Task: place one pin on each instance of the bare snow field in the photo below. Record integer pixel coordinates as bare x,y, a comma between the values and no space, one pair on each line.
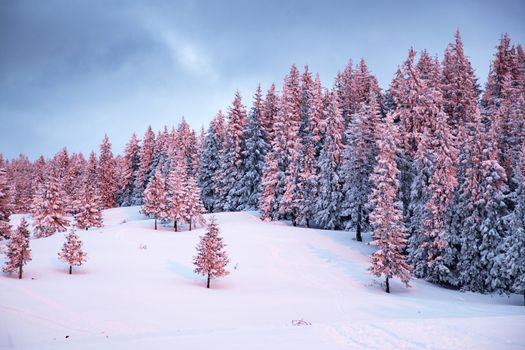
138,291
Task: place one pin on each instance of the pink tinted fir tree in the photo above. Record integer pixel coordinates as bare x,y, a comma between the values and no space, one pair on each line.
88,206
18,252
5,204
211,259
145,160
49,208
72,252
269,181
20,173
269,112
174,188
106,175
129,168
386,217
155,197
193,207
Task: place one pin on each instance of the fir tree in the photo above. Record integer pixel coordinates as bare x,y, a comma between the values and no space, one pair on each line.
145,161
248,187
358,163
72,252
175,196
269,112
155,198
49,208
231,161
458,85
211,259
310,134
130,166
484,228
192,206
514,245
5,205
386,215
330,193
272,175
210,161
18,252
106,175
87,207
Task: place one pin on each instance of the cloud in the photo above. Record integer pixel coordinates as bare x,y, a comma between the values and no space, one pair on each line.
184,53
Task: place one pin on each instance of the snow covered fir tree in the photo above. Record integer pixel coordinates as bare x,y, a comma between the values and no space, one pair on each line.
211,259
18,251
72,252
430,169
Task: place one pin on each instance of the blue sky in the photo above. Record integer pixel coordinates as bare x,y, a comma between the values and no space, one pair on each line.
73,70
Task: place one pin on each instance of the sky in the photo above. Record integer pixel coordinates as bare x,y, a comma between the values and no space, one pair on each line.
72,70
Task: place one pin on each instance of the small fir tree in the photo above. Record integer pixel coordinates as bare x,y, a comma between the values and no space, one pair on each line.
72,252
211,259
18,252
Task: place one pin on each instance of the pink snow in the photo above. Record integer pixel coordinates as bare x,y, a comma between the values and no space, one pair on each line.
138,291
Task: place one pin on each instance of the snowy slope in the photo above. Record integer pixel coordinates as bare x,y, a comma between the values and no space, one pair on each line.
126,297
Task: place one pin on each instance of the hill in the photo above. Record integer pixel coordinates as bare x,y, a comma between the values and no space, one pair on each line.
138,290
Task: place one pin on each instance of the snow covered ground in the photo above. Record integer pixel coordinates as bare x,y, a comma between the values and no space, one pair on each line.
128,297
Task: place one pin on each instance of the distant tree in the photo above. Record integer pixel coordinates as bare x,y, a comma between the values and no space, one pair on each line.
18,252
386,217
87,207
269,112
129,166
106,175
49,208
21,174
145,161
193,207
268,198
5,205
211,259
174,188
72,252
155,198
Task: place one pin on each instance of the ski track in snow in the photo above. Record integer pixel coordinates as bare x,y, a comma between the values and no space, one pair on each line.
128,297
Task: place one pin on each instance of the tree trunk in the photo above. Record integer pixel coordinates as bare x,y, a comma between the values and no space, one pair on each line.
20,271
358,236
208,282
155,222
191,219
86,228
70,269
308,223
387,285
175,225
